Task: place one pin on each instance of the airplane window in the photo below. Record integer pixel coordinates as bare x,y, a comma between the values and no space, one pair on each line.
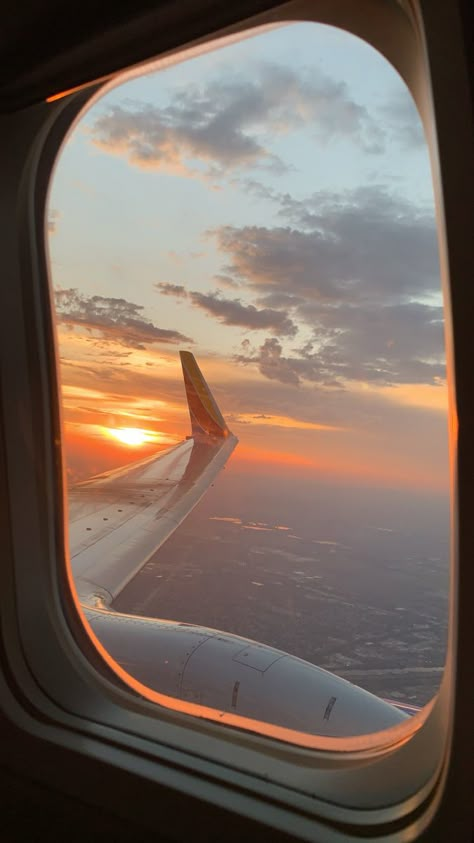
250,327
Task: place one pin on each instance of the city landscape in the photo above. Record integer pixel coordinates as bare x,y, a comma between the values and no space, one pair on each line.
353,580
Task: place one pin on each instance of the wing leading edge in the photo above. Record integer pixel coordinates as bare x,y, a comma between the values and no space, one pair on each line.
119,519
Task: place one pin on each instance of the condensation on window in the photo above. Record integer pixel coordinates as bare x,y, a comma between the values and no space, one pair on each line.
250,327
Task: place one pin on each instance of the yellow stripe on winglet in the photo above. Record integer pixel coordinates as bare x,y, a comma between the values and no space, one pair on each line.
206,418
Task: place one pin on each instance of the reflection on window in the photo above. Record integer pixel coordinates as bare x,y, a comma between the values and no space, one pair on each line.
266,209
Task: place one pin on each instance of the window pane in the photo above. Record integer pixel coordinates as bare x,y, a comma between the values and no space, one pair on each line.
268,207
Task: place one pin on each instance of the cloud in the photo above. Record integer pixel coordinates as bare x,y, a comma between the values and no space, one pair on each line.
271,362
359,271
226,281
176,290
363,244
398,344
287,422
233,312
395,343
403,122
355,273
230,122
379,440
112,319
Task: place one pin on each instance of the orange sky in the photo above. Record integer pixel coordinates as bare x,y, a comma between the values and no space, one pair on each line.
100,399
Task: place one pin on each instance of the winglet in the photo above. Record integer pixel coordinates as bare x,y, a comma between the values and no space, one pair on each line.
206,418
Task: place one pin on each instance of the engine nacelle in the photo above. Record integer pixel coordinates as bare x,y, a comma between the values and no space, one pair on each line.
233,674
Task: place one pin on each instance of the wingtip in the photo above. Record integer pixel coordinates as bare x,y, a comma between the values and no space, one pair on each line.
206,417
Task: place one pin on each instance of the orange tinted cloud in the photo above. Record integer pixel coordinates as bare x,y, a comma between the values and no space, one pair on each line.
106,389
429,396
266,420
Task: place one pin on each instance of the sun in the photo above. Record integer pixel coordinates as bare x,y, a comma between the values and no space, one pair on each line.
133,436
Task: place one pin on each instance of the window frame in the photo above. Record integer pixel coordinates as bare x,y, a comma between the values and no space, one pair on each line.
55,687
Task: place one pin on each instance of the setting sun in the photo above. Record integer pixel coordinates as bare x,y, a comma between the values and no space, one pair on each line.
133,436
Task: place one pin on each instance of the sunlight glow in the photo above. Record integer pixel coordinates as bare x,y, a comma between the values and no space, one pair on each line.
133,436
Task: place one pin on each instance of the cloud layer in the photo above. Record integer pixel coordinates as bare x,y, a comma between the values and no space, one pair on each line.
230,122
360,270
112,319
232,311
365,244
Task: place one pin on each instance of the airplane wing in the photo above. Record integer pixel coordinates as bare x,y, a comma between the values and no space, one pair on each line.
119,519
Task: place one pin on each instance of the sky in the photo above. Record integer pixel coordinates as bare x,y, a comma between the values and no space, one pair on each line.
268,206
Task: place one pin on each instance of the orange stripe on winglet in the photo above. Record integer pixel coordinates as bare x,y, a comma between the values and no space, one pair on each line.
206,418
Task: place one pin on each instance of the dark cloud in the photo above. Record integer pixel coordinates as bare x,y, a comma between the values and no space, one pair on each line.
364,244
272,363
396,343
174,290
233,312
357,270
283,300
385,346
112,319
230,122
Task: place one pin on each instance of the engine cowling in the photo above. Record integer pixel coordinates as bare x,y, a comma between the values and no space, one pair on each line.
233,674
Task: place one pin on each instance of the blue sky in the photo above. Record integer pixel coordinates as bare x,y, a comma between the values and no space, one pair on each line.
101,195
